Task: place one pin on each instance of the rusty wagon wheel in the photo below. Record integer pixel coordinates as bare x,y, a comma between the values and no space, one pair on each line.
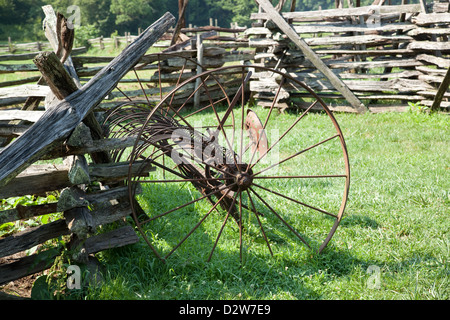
281,181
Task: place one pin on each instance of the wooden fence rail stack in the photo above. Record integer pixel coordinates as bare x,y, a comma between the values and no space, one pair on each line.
390,53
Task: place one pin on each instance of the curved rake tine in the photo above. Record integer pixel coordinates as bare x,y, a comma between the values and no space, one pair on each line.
279,217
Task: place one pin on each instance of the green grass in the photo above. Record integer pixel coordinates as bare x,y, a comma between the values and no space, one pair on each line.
396,219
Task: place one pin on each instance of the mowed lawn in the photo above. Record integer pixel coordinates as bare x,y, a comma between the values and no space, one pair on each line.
393,242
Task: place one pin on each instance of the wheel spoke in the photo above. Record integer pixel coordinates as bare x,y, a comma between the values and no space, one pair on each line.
198,224
302,177
235,100
142,88
266,121
123,93
223,225
181,180
240,228
242,116
294,200
204,108
220,123
296,154
178,82
279,217
259,222
189,98
285,133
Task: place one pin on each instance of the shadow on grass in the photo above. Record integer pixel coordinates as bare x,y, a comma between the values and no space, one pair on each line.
294,272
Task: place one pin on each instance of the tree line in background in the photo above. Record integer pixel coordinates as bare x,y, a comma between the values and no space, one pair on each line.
22,19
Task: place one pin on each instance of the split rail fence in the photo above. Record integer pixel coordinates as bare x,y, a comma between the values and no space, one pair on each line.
391,54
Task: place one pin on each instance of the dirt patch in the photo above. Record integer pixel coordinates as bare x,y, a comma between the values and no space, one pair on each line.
20,288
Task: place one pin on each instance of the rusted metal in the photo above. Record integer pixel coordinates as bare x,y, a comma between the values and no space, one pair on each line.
210,159
256,133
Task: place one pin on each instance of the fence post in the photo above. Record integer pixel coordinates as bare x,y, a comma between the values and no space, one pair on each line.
441,91
199,69
10,45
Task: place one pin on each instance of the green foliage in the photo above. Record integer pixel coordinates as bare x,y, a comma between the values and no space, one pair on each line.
17,226
417,107
84,33
22,19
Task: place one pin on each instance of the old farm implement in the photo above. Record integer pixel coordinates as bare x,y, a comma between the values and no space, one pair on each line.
197,158
235,160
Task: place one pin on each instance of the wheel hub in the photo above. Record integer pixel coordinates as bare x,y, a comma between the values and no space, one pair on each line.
244,180
241,178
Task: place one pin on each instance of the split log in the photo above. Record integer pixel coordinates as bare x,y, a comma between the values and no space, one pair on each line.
443,87
27,265
19,82
344,28
62,85
429,46
31,116
440,62
11,130
79,221
31,237
424,19
341,12
12,68
112,239
78,170
311,55
357,40
97,146
57,123
25,212
73,197
24,91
